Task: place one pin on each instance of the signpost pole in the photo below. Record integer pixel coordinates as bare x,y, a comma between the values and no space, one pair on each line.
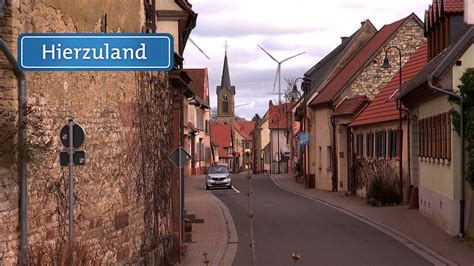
71,181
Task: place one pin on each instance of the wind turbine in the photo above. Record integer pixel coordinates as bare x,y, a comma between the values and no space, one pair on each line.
278,76
278,72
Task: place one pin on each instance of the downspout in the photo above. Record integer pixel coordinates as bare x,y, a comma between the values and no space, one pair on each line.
400,109
334,153
350,164
461,100
22,138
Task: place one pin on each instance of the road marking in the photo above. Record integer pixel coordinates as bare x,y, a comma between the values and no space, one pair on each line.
236,190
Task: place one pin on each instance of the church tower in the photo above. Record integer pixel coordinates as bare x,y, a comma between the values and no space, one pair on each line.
225,96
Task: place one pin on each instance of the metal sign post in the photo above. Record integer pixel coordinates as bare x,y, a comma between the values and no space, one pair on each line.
180,158
72,137
71,180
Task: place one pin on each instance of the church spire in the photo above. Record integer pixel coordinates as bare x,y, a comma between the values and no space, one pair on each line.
225,79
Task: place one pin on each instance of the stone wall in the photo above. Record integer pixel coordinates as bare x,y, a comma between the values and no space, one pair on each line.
373,77
119,212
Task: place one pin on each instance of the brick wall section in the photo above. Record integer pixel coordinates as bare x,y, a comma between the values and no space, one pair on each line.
109,212
373,77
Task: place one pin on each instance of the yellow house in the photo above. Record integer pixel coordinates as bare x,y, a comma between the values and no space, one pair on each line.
444,196
262,138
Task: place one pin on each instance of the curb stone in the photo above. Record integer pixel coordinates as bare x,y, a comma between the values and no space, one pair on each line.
232,238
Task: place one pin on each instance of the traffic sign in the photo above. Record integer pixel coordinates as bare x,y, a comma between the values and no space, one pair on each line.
78,136
304,138
79,158
178,154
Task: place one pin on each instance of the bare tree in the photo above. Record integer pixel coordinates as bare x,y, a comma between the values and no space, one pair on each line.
290,96
214,114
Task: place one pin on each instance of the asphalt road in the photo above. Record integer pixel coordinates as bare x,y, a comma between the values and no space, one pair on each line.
285,223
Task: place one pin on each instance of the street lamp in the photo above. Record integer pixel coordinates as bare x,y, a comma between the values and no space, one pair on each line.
386,65
301,110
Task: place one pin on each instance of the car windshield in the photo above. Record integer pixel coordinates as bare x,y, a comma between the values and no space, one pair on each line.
218,170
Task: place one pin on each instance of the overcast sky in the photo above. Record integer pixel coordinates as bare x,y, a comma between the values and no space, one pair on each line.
283,28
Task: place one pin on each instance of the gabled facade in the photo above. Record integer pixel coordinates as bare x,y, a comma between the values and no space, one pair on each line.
361,75
444,196
261,140
198,130
243,143
279,125
221,141
321,74
376,130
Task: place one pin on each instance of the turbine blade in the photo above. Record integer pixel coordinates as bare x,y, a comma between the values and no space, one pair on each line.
292,57
267,53
192,41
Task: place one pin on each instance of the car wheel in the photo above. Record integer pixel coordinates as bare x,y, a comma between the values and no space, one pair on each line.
229,186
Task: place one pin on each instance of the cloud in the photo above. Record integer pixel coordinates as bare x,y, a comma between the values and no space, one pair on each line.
283,28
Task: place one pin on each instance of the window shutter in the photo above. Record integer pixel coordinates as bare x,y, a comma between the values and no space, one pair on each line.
448,144
430,138
435,136
425,137
384,143
422,138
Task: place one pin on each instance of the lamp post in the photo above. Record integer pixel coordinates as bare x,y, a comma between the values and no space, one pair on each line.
386,65
305,87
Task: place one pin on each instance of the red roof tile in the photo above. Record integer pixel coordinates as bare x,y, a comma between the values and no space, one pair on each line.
200,83
379,110
350,106
278,115
245,128
453,6
357,62
221,137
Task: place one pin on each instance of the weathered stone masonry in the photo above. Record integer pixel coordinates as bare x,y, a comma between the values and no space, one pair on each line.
122,199
372,78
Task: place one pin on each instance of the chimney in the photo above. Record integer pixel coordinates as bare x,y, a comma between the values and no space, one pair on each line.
344,38
270,102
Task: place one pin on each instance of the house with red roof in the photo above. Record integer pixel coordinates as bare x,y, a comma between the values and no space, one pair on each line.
441,192
279,127
221,141
197,130
361,75
243,143
376,131
320,74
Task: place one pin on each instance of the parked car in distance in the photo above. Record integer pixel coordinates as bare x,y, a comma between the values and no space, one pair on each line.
218,176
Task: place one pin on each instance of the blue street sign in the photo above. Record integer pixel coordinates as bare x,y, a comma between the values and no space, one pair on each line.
95,52
304,138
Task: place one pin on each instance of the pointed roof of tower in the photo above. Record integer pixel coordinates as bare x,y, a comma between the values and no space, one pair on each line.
225,80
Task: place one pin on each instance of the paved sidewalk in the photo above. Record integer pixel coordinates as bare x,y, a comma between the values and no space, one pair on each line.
407,226
217,235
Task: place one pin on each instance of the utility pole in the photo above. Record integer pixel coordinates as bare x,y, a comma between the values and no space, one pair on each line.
249,194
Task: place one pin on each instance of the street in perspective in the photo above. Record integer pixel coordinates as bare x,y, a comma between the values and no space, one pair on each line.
219,132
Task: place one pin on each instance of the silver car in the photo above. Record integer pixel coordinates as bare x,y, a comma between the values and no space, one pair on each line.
218,176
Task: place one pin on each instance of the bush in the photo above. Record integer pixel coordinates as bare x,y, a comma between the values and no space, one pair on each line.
382,191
